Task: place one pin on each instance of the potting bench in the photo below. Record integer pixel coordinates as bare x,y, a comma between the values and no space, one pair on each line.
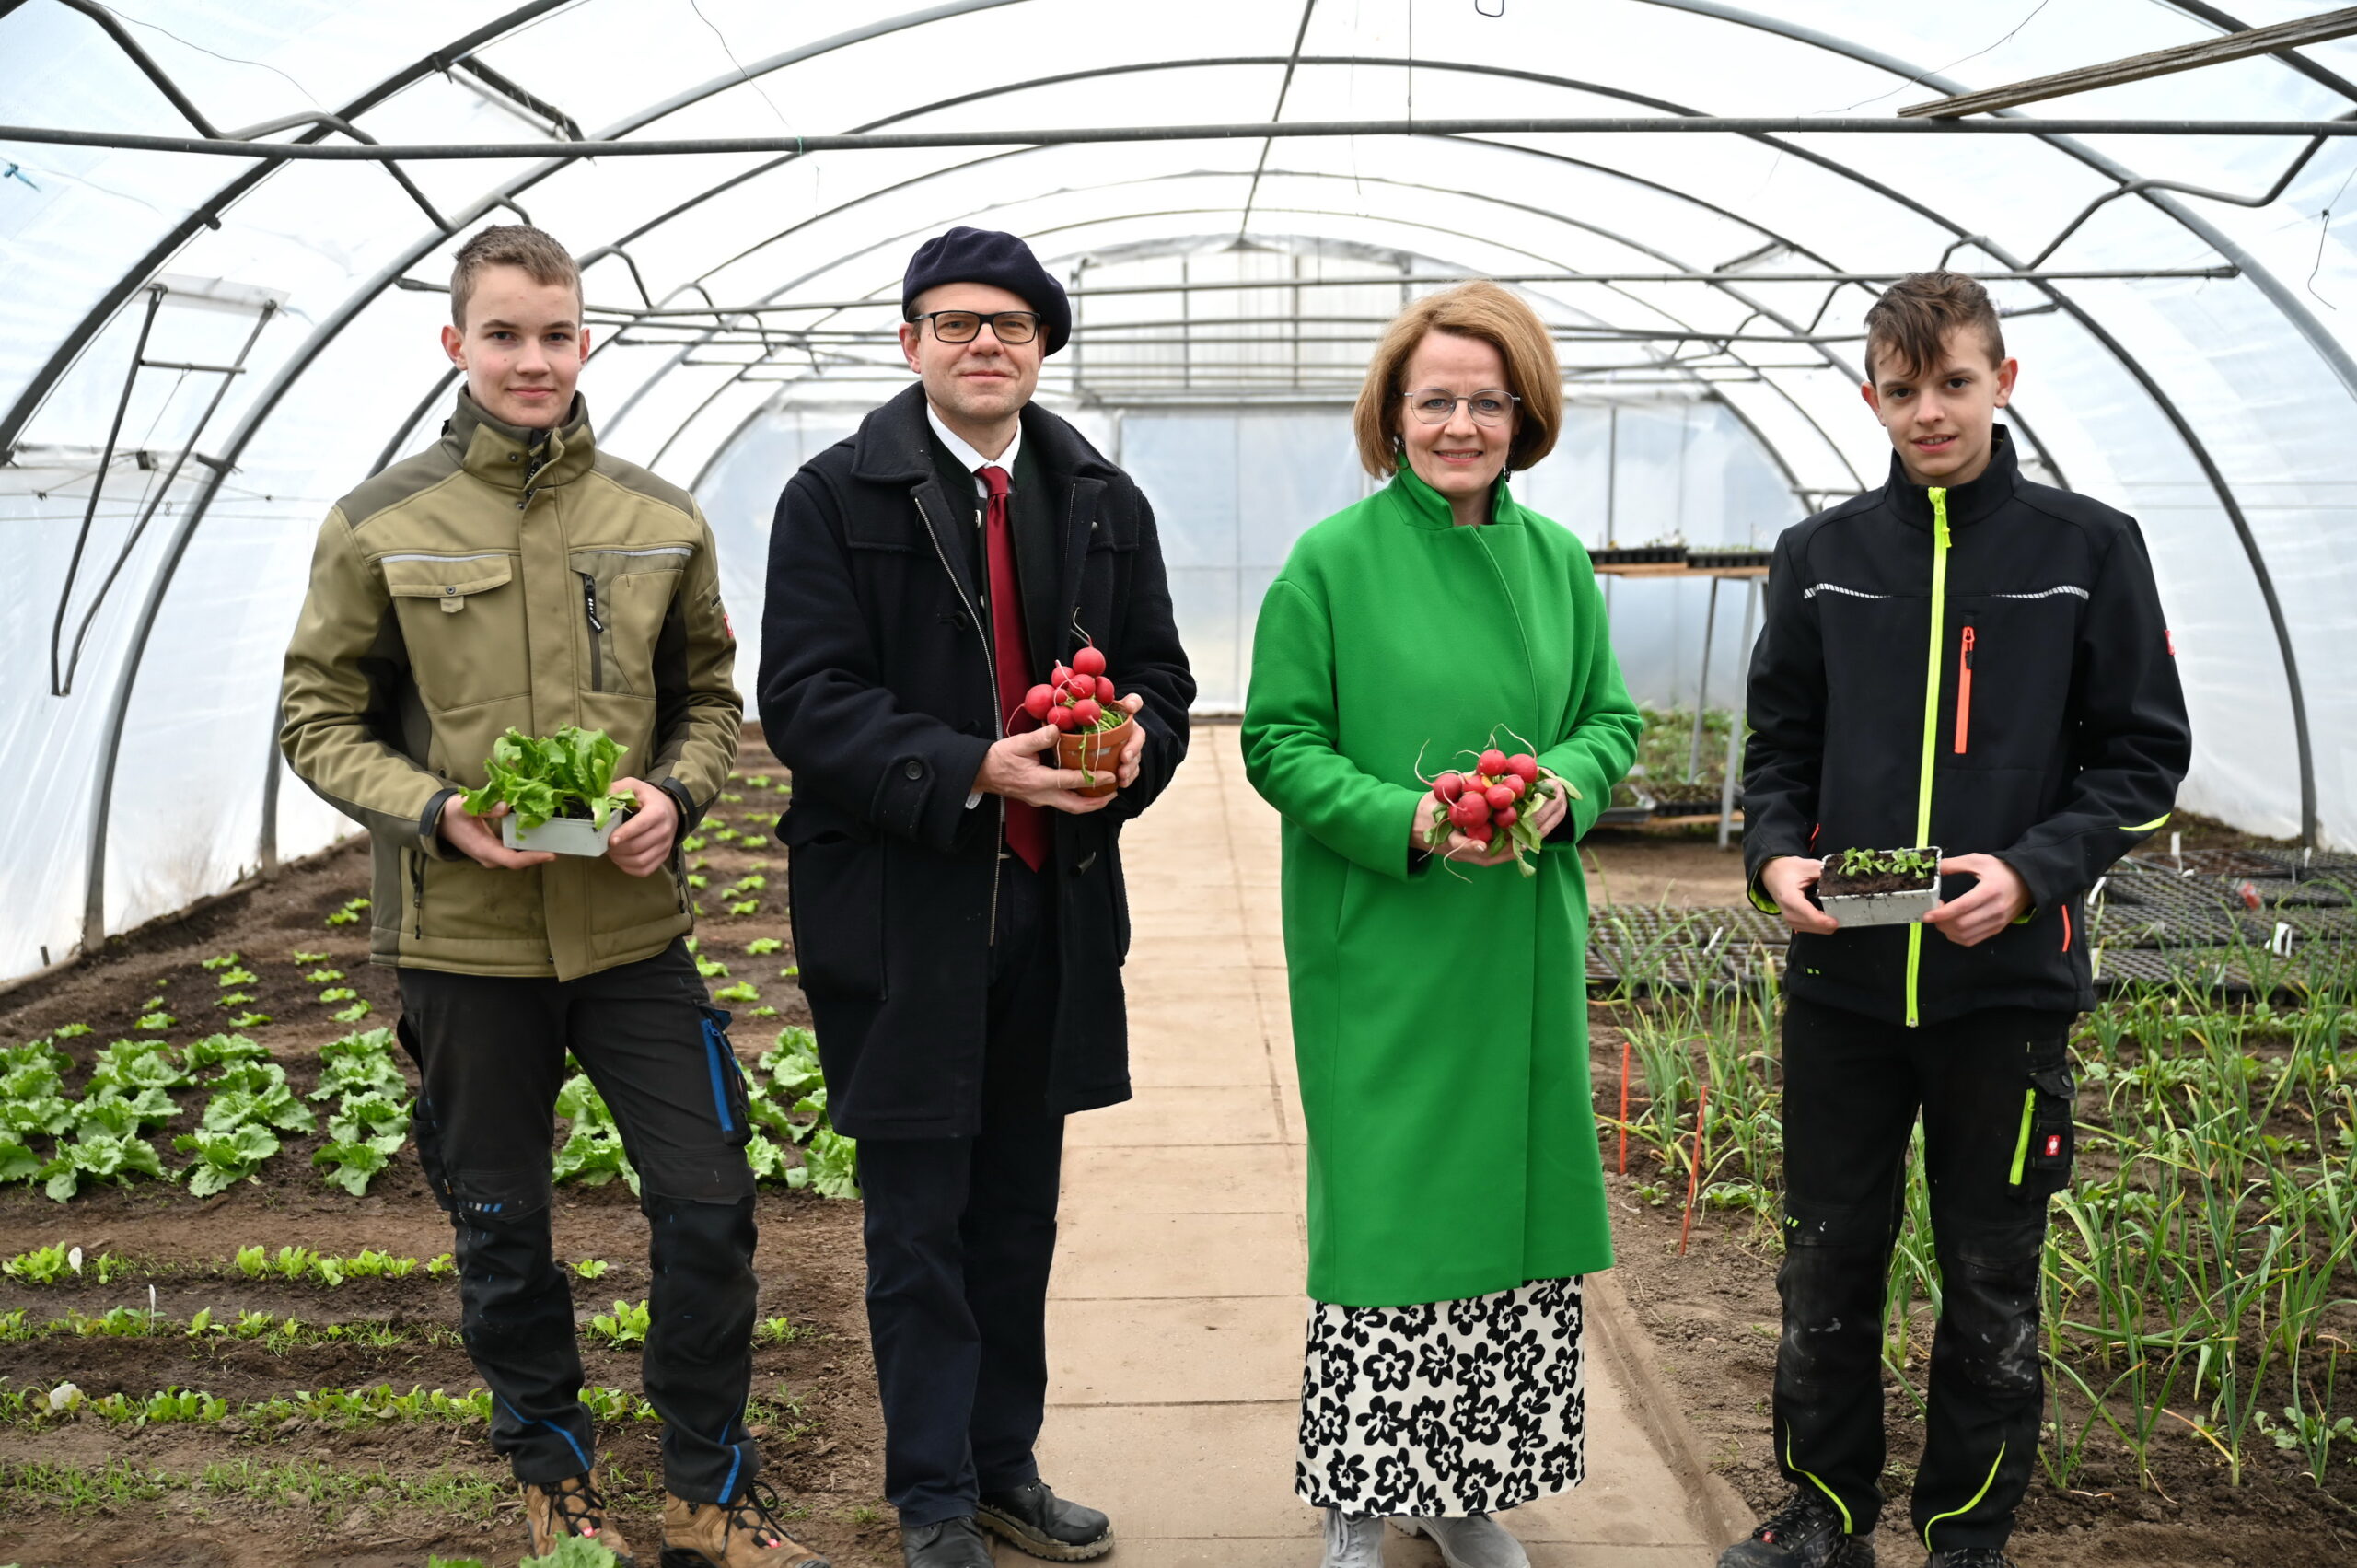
1752,578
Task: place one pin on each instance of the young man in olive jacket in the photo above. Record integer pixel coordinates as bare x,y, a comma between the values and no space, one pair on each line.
512,574
958,912
1967,660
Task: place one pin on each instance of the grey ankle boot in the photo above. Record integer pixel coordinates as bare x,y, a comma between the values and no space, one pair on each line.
1353,1540
1477,1540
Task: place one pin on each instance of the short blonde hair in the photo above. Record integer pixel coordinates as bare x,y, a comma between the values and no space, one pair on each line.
1492,314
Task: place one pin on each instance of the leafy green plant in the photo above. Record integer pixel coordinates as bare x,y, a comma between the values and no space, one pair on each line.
235,976
338,993
350,913
44,1265
300,956
155,1020
742,992
712,968
220,1051
569,775
591,1267
762,946
593,1153
1914,863
625,1325
98,1156
224,1158
776,1331
353,1014
136,1065
254,1092
322,977
111,1111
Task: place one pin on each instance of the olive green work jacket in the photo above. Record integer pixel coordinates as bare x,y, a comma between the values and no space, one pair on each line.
501,577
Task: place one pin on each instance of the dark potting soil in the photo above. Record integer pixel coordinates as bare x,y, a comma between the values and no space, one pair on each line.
1714,1318
1836,885
826,1460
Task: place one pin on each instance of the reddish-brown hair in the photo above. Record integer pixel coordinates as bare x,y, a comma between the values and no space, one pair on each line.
1496,316
509,245
1911,322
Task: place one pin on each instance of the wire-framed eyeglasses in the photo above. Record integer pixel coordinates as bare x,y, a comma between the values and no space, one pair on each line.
1433,406
965,326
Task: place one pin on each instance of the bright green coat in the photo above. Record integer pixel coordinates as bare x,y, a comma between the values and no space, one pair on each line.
1440,1013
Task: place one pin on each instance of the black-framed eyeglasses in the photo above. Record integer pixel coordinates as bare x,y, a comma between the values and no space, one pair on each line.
964,326
1433,406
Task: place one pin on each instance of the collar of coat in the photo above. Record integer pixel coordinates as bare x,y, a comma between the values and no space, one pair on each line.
1425,508
1967,503
894,443
503,454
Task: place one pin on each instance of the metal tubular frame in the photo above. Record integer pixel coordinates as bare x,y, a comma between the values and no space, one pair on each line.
900,141
2057,133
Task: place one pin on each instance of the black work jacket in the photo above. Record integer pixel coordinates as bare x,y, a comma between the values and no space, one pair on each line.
878,690
2005,637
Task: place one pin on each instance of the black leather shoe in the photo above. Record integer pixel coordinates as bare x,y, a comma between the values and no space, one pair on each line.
1033,1519
952,1543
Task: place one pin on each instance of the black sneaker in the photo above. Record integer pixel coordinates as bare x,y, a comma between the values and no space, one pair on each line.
1804,1533
1970,1557
952,1543
1033,1518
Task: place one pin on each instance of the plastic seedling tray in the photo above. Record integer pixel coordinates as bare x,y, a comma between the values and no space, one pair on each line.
1856,910
560,835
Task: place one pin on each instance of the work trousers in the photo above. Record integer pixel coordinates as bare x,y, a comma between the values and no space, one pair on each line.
491,1052
1994,1089
962,1233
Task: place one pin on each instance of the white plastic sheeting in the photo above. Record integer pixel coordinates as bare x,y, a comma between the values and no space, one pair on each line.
2192,402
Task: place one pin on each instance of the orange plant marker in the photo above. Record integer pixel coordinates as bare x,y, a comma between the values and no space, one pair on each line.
1694,1178
1624,1105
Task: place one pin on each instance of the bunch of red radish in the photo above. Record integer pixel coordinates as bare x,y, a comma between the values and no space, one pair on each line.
1489,799
1077,698
1502,795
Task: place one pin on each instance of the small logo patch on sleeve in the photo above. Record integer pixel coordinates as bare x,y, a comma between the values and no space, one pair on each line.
2170,638
2053,1144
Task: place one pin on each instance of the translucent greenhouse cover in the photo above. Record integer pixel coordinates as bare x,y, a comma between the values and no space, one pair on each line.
251,338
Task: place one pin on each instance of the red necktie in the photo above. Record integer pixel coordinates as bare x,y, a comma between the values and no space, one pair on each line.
1027,826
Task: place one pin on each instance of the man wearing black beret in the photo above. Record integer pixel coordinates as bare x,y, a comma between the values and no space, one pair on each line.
958,912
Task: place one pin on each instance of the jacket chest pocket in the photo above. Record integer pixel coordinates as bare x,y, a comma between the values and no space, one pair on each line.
624,595
462,624
2009,662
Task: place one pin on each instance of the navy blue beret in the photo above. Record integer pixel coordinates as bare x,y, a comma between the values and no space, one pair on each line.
981,255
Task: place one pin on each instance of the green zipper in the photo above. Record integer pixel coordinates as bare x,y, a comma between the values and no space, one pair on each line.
2021,1144
1930,725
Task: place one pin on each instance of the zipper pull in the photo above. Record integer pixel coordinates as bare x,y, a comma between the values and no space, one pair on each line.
589,601
1967,647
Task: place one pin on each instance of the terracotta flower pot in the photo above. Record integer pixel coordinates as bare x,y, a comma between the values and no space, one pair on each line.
1097,752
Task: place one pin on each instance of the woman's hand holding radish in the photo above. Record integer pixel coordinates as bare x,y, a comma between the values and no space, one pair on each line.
1013,767
1493,813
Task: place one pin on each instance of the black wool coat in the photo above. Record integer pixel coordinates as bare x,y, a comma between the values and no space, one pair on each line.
876,689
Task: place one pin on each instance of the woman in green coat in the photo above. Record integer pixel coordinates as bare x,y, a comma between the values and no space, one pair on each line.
1439,995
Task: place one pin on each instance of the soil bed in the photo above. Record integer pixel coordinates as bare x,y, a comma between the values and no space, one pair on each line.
362,1492
1714,1318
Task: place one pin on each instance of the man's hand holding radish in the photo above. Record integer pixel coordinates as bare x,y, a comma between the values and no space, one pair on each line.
1013,768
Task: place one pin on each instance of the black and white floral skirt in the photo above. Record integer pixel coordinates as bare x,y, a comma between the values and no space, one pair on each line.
1444,1409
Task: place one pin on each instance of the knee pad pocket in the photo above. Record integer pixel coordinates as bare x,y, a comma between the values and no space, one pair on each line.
490,1197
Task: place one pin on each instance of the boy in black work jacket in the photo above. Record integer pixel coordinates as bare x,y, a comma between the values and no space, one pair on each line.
1968,659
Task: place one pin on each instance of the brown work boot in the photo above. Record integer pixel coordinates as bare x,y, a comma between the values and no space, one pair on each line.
572,1507
743,1534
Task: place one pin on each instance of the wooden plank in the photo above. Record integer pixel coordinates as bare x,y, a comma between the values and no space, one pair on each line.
2142,67
1677,569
